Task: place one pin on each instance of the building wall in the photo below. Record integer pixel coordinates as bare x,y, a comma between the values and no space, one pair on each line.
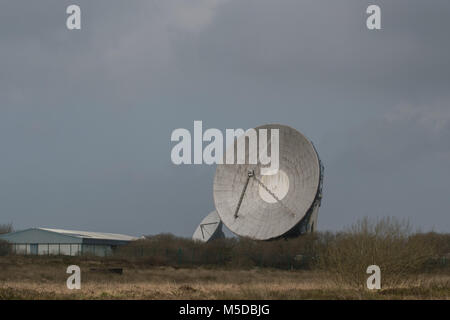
97,250
66,249
20,248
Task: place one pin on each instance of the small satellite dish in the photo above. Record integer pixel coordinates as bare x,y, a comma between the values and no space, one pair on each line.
283,204
209,229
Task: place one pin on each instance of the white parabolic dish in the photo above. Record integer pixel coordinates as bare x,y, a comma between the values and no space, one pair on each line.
294,190
209,229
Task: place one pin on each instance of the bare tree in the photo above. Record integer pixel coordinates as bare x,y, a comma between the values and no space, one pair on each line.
6,228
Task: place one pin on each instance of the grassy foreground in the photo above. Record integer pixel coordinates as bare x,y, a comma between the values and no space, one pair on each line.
45,278
326,265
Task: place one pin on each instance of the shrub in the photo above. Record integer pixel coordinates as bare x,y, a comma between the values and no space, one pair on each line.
387,243
5,248
6,228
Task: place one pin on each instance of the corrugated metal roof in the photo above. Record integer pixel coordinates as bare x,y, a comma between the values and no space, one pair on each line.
91,235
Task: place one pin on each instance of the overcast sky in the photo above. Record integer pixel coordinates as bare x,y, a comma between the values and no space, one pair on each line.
86,116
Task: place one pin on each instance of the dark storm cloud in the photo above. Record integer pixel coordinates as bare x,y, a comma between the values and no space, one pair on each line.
86,116
397,165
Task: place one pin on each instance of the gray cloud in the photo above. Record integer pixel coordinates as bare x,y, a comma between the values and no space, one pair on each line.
86,116
394,165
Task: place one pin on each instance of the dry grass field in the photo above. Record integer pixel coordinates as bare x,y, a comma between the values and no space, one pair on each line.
316,266
45,278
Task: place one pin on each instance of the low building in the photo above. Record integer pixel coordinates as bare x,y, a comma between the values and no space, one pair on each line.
43,241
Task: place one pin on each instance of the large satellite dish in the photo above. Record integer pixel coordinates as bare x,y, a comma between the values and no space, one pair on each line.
283,204
209,229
